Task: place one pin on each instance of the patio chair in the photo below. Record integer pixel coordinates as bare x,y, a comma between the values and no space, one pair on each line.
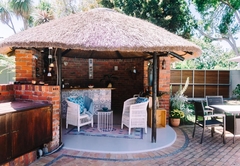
134,113
205,120
214,100
232,121
79,111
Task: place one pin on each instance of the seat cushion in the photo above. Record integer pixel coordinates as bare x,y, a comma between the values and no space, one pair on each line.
78,100
141,99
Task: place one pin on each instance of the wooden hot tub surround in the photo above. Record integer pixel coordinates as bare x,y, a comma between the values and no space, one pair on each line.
24,126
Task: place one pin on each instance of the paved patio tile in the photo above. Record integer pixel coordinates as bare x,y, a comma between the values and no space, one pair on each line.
185,151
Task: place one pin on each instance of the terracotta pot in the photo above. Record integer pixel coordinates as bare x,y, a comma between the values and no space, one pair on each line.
175,122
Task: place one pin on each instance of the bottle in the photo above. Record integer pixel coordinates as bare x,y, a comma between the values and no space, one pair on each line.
63,84
45,149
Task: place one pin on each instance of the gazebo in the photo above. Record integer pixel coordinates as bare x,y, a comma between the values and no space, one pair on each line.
104,34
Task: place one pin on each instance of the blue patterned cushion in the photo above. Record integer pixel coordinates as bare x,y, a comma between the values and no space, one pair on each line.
78,100
141,99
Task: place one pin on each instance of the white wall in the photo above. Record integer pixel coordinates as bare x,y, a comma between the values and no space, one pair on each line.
234,80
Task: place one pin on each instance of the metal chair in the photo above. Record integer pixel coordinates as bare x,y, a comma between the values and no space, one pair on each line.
205,120
232,121
134,114
214,100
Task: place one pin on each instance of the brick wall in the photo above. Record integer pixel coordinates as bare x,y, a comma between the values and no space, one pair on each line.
164,85
76,74
6,93
23,160
25,65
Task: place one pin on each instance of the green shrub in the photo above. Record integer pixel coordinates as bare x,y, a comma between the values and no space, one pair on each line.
236,91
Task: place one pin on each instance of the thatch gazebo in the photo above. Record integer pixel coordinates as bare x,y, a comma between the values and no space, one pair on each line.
104,34
107,32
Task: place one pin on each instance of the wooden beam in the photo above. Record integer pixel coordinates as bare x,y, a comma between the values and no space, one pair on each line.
154,95
119,55
65,52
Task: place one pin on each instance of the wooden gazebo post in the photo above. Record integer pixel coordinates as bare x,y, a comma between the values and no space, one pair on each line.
59,60
154,95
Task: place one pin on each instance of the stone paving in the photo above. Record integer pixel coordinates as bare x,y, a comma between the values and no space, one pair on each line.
185,151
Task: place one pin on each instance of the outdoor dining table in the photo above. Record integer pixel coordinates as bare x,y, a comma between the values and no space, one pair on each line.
231,109
232,122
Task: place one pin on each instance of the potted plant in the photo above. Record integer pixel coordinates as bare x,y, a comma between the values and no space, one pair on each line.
175,116
179,100
108,78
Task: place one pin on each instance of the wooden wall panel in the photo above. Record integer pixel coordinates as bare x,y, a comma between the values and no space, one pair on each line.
211,77
175,88
224,91
199,77
224,77
5,143
198,91
204,82
175,76
189,91
187,73
211,90
27,130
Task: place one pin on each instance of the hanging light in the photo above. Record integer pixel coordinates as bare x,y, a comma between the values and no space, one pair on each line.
49,72
50,57
134,70
51,65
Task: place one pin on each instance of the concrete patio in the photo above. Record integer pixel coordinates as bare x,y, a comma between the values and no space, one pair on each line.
185,151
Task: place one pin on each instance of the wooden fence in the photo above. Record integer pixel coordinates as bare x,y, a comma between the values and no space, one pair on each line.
202,83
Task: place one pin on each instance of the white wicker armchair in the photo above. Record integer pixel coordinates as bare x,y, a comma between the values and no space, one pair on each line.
134,115
74,117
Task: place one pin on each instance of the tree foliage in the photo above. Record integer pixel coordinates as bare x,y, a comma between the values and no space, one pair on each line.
43,13
6,15
64,8
22,9
7,63
173,15
213,57
220,20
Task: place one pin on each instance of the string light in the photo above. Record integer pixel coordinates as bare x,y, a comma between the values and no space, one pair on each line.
50,62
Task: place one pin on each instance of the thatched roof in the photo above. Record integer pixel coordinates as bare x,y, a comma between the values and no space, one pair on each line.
102,33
